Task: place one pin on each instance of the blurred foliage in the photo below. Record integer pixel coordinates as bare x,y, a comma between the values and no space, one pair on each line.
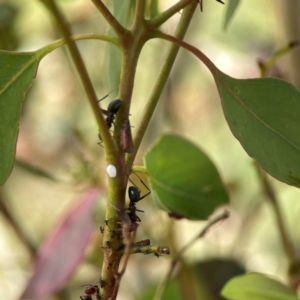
213,274
8,33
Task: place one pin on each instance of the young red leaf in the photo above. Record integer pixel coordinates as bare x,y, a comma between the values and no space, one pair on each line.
63,250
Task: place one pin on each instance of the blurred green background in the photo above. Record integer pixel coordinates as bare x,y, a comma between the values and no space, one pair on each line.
59,136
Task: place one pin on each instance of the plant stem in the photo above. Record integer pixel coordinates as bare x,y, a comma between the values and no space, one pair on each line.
209,64
140,169
131,44
293,263
139,17
77,37
285,239
265,66
170,12
160,83
85,79
111,20
6,212
118,276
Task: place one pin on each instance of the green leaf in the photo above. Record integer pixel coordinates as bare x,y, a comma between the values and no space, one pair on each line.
16,74
257,286
263,115
184,179
231,8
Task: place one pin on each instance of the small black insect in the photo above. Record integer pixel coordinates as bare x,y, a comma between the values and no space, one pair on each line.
110,112
86,297
89,291
101,230
134,194
101,282
157,254
112,109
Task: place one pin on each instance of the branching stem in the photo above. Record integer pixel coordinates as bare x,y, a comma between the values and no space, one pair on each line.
160,82
111,20
170,12
85,79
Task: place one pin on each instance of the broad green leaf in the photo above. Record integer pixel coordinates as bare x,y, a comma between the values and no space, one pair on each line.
263,115
231,8
184,179
257,286
16,74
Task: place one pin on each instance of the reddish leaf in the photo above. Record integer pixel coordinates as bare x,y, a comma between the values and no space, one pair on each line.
63,250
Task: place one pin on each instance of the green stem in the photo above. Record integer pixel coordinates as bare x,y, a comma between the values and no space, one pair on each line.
77,37
160,83
85,79
268,189
209,64
139,13
170,12
19,231
111,20
285,239
140,169
268,64
131,44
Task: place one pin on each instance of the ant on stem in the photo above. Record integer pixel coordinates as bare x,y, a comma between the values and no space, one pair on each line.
112,109
134,194
89,291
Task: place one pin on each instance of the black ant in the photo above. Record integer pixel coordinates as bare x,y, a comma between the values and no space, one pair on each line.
89,291
110,112
134,194
101,230
157,254
112,109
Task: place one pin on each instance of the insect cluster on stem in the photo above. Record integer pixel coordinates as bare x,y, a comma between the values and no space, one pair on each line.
126,142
